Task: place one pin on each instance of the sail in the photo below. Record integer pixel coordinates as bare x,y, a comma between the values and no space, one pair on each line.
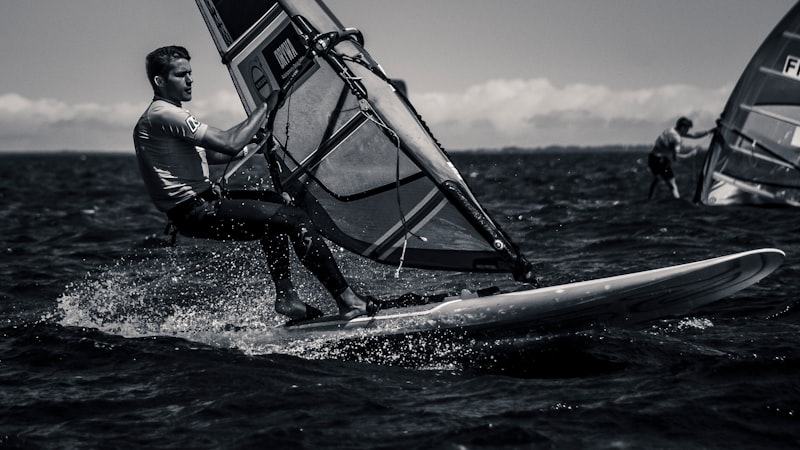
347,144
754,157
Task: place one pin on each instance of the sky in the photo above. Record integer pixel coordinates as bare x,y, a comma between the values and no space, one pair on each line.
482,73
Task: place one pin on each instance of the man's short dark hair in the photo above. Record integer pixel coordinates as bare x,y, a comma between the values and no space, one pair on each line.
684,122
158,61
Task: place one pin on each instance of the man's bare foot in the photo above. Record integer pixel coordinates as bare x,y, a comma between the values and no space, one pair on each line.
351,305
293,308
288,303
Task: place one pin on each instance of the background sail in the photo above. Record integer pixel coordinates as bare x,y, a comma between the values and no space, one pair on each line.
754,158
350,147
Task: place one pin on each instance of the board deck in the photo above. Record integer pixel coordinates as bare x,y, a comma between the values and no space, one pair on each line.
620,300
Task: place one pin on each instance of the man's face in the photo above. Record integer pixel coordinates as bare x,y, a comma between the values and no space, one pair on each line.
177,86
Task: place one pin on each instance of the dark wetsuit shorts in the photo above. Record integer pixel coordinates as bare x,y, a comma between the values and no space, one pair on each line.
660,166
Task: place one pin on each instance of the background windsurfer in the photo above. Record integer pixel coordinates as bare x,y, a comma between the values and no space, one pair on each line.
666,149
174,150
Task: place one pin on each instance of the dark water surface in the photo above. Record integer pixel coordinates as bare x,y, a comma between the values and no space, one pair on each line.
110,339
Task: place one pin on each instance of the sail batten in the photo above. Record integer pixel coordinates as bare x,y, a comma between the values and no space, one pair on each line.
775,73
754,156
791,35
772,115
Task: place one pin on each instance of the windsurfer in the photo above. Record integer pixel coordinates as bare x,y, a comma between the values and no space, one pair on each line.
666,149
174,150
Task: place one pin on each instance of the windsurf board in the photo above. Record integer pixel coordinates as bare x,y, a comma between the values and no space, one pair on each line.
624,300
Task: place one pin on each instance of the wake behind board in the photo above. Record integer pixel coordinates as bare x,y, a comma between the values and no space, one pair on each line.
620,300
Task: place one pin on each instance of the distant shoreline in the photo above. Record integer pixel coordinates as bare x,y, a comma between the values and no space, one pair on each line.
504,150
562,149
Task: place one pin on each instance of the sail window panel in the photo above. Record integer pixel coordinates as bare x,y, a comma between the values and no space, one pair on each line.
312,112
749,150
235,17
365,161
779,136
370,217
448,229
741,165
768,129
377,219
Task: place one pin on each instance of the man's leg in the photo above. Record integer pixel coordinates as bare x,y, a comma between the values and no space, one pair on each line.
653,185
276,250
287,302
245,218
674,186
654,164
314,253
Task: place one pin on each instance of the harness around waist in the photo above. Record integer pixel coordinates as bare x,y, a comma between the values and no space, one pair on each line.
183,208
661,153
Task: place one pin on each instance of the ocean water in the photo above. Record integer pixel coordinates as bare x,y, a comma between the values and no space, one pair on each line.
113,339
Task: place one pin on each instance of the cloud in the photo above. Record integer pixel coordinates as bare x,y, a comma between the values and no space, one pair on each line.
535,112
49,124
497,113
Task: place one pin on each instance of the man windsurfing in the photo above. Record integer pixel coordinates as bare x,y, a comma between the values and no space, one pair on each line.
667,149
174,150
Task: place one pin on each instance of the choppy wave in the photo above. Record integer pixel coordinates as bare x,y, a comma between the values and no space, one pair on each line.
112,338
